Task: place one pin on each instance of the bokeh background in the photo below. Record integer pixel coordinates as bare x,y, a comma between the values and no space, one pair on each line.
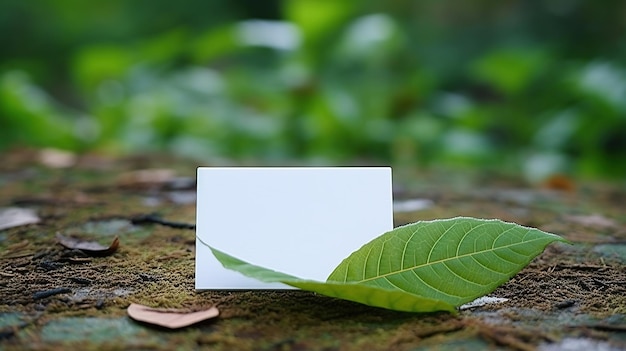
529,87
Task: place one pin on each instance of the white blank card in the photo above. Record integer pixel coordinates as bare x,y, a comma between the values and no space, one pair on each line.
301,221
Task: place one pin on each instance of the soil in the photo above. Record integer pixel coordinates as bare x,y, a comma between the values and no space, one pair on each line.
570,297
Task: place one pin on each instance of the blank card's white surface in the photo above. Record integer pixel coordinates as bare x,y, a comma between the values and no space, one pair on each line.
300,221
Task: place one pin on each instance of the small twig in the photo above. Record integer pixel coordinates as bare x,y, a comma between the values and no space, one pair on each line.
565,304
47,293
152,218
580,267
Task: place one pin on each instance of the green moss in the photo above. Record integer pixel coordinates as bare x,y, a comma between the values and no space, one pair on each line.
154,266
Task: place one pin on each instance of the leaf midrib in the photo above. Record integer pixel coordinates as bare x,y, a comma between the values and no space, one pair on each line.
400,271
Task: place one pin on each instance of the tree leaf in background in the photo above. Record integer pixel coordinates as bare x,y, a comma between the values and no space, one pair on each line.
453,260
422,267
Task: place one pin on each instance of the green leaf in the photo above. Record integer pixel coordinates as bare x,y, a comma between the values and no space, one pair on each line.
366,294
422,267
452,260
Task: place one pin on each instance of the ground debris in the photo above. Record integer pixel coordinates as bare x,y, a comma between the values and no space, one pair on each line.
156,267
565,304
155,219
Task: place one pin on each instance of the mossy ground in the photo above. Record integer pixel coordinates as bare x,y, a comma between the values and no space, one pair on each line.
570,292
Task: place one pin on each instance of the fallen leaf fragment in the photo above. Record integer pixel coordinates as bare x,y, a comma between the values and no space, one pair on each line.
88,247
15,216
169,318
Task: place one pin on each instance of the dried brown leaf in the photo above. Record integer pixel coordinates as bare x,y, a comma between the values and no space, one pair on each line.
89,247
169,318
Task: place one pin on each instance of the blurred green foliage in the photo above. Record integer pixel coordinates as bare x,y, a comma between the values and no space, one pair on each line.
533,87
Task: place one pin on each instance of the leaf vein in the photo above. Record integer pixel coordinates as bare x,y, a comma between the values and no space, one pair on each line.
445,260
458,247
459,276
406,245
432,248
438,291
